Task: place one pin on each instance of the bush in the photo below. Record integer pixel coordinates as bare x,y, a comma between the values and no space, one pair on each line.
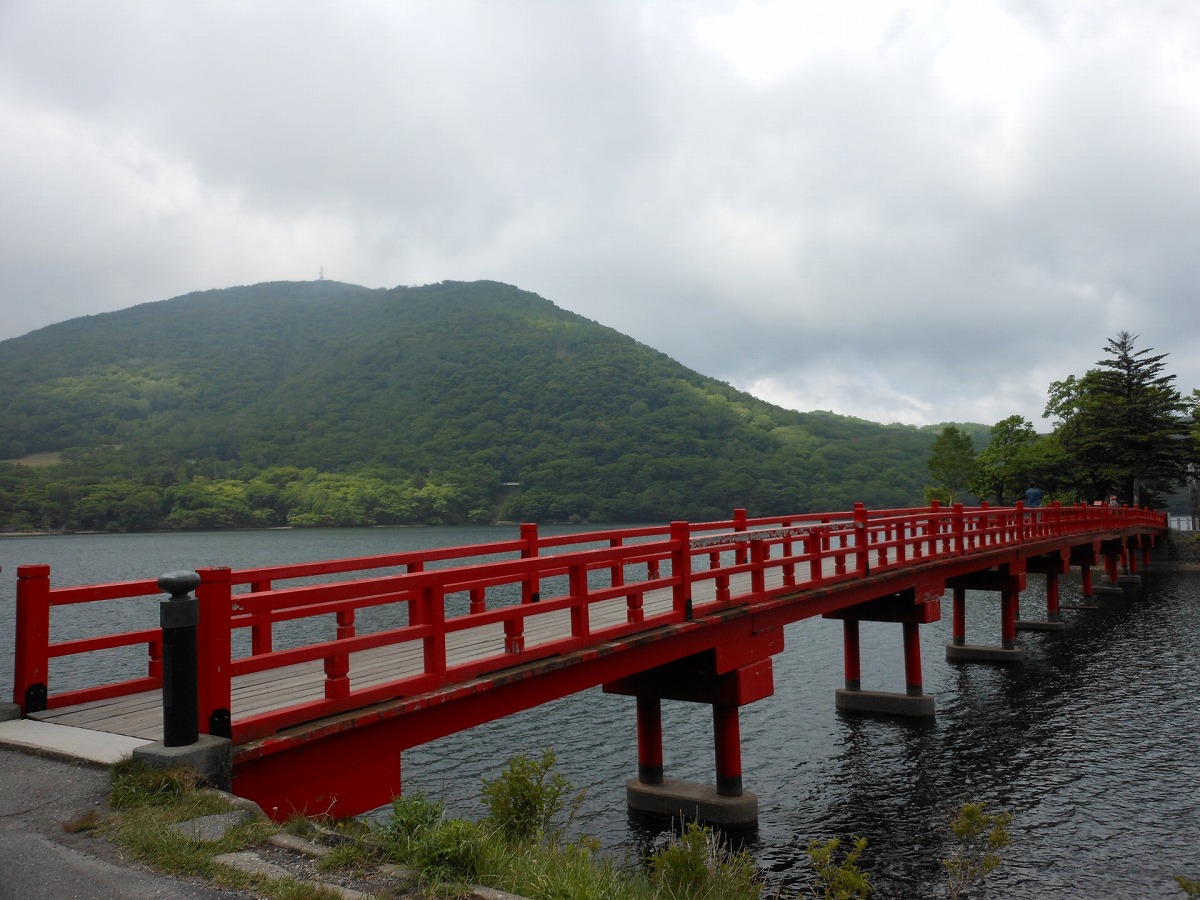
839,880
979,835
526,799
419,835
697,865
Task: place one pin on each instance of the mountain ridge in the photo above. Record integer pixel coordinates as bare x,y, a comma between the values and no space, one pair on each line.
468,384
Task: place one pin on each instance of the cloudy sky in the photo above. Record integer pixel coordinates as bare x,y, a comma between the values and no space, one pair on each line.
904,211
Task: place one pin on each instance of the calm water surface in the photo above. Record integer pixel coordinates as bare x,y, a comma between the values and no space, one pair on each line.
1093,744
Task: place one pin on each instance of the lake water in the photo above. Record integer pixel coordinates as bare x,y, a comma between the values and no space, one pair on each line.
1093,744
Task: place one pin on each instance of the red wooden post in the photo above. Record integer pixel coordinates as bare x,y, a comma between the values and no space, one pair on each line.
727,740
433,612
514,634
337,676
681,569
345,624
154,667
531,586
649,733
617,570
1085,573
478,599
580,626
214,651
739,524
32,663
722,580
261,640
862,551
932,526
959,631
635,613
850,651
814,542
912,660
789,567
958,526
759,553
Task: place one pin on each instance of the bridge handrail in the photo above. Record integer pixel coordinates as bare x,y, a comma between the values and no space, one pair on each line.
795,551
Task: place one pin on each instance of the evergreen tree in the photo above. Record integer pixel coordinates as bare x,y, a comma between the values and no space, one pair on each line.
1125,424
952,460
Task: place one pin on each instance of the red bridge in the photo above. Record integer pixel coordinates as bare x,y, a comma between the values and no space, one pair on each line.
386,653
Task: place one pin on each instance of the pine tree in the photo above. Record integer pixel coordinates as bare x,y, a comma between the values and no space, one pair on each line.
1125,424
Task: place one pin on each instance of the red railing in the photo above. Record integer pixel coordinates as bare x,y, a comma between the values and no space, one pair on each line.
497,595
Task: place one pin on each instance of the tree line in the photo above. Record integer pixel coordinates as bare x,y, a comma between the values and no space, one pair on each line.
1122,433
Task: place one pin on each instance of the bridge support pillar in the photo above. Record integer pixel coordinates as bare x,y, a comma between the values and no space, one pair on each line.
1112,552
727,744
695,679
649,733
905,608
1129,563
1052,565
1008,583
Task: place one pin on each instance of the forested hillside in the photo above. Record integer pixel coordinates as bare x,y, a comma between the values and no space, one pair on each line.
321,403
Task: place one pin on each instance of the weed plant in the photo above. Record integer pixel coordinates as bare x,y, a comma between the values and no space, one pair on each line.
980,835
839,878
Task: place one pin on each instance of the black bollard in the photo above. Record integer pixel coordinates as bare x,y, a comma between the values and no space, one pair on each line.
178,617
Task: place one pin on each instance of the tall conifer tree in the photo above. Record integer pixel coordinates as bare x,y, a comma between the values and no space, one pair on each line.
1125,423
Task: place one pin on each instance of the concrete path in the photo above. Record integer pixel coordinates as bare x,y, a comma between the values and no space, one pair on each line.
39,793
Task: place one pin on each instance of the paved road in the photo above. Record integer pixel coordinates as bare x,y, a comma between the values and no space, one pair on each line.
38,859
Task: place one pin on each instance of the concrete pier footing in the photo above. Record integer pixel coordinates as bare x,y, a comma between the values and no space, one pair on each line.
211,756
691,801
982,653
1041,625
1108,590
885,703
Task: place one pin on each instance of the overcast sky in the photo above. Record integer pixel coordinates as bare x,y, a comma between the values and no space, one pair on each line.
904,211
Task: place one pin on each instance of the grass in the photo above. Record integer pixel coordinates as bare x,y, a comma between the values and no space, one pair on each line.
519,847
146,802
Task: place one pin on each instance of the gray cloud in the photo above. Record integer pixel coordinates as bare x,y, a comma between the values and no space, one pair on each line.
896,210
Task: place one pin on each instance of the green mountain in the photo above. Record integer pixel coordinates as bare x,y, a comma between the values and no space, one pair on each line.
326,403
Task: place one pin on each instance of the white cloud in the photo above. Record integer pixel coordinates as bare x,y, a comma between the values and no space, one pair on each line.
912,211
